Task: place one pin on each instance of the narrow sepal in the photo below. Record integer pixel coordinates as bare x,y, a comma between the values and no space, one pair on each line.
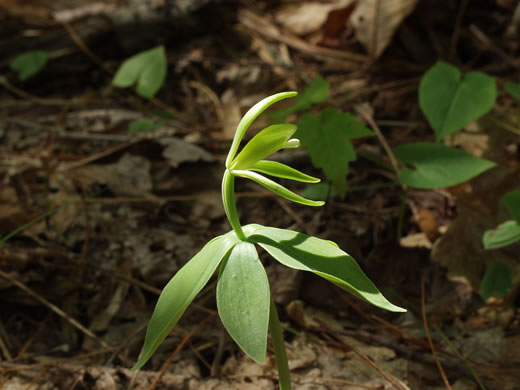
266,142
277,188
249,117
282,171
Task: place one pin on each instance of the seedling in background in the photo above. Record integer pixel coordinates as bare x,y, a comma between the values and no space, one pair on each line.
507,233
147,70
29,63
244,300
449,102
327,136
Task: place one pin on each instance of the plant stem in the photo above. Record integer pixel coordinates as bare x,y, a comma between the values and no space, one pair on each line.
228,198
282,364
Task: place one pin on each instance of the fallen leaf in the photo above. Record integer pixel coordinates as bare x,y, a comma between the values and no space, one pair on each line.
376,21
305,17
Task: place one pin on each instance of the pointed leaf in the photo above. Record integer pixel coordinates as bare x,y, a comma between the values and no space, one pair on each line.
323,258
266,142
498,280
504,234
450,103
249,117
243,300
276,188
512,202
29,63
181,290
327,137
438,166
283,171
146,69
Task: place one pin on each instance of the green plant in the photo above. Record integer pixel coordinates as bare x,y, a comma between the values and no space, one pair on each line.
449,102
506,233
244,301
29,63
327,136
147,70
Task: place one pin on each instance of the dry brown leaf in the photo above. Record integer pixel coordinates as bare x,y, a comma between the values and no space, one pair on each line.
304,18
375,22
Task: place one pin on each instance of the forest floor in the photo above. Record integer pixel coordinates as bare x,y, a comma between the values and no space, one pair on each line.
95,219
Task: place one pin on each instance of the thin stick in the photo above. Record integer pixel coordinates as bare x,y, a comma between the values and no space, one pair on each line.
366,116
177,350
427,330
53,307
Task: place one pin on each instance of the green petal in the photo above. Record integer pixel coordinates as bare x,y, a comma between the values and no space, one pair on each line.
266,142
249,117
243,300
323,258
276,188
181,290
283,171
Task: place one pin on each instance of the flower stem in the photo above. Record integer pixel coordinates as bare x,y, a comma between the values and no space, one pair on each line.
228,198
282,363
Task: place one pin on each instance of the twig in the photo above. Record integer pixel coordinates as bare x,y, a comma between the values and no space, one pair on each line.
35,379
366,116
428,336
5,350
483,38
389,377
178,349
457,29
35,99
53,307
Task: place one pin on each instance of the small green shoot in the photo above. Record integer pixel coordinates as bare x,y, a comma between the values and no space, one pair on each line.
147,70
437,165
244,301
497,281
451,102
142,126
29,63
506,233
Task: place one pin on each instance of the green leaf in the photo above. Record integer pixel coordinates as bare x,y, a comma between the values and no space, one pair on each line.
512,202
283,171
181,290
504,234
249,117
315,93
327,138
243,300
449,102
513,89
437,165
142,125
29,63
320,191
276,188
266,142
146,69
498,280
323,258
